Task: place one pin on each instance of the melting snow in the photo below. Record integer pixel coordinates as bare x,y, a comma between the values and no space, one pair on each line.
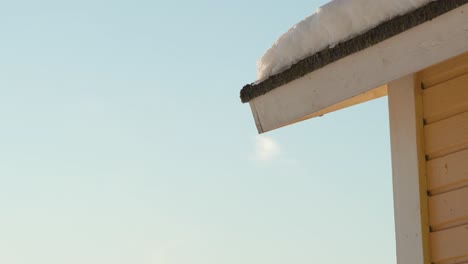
335,22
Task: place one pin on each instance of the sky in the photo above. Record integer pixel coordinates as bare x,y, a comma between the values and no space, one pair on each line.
123,140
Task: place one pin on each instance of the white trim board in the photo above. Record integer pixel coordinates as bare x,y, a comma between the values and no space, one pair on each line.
409,206
420,47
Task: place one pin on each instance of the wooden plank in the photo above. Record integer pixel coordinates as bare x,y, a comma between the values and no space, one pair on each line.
447,136
448,172
445,71
408,164
411,51
448,209
446,99
450,246
375,93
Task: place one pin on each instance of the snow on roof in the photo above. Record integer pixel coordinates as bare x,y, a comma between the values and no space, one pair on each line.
337,30
331,24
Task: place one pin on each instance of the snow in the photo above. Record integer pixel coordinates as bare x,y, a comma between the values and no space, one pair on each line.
335,22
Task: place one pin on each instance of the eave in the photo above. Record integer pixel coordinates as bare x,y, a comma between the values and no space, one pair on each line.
362,75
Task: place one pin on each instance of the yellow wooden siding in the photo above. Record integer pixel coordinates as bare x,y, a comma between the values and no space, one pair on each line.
448,172
450,246
445,111
448,209
447,136
446,99
444,71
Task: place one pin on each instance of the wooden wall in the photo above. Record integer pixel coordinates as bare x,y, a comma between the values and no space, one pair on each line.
445,112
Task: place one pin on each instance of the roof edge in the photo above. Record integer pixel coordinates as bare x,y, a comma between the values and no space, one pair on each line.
374,36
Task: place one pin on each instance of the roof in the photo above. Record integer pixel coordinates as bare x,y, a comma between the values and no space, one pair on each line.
381,32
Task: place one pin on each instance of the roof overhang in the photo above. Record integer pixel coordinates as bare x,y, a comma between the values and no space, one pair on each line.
363,75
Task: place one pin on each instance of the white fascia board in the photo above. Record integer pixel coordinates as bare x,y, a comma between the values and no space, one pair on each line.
353,77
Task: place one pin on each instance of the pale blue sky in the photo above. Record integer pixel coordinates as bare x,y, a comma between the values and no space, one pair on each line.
123,140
